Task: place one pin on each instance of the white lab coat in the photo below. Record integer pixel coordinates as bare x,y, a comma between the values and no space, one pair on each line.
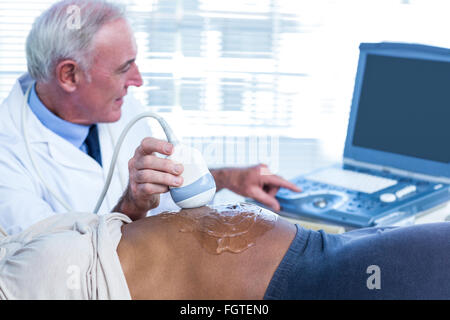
75,176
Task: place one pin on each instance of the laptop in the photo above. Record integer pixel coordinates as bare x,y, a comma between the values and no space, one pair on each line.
396,161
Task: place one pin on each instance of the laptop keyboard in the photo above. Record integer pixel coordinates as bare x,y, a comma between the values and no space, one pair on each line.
352,180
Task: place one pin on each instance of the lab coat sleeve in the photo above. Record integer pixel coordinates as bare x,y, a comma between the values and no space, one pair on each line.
21,201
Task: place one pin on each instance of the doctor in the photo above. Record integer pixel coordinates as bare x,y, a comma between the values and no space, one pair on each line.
71,106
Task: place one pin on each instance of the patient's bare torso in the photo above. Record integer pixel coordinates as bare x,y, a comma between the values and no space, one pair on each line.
212,252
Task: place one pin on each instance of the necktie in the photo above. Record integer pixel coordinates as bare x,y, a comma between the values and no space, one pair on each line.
93,145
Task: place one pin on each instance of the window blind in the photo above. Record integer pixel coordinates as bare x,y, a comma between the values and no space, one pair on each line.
248,67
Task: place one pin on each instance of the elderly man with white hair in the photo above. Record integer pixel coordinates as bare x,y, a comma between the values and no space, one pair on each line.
62,119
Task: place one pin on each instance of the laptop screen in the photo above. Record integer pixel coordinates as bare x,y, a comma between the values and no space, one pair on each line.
404,107
400,114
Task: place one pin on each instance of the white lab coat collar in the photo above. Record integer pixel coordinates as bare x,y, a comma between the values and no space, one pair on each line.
60,149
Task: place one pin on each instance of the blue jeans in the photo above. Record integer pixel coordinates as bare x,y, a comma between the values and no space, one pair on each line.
373,263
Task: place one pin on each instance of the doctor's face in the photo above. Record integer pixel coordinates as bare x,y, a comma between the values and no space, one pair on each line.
112,72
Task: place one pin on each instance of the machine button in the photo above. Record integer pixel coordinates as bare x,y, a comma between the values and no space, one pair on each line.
320,203
406,190
388,197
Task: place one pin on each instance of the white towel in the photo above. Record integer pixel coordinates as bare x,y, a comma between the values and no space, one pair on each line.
67,256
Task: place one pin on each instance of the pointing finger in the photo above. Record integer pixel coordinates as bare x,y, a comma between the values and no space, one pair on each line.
280,182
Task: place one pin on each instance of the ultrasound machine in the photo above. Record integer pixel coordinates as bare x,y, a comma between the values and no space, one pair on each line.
396,161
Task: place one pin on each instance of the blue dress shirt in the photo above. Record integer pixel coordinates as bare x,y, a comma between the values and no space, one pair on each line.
74,133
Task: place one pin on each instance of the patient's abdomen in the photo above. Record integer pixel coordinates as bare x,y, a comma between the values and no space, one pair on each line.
224,228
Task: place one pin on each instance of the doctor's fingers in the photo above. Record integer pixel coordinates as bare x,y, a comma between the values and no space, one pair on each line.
145,189
266,199
155,163
156,177
279,182
150,145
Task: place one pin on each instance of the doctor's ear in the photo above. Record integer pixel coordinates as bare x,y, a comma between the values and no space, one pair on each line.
68,75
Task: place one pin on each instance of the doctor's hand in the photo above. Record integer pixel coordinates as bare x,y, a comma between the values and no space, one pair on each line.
255,182
150,176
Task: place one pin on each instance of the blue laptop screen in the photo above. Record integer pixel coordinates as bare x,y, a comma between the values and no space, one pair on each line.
400,114
404,107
